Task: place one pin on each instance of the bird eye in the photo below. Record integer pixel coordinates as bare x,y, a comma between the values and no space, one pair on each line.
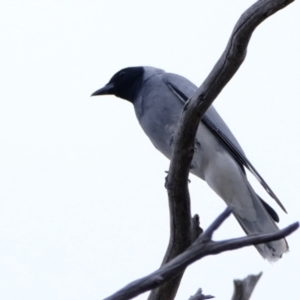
122,74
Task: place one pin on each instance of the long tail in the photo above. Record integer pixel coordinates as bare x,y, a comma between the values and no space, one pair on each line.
264,223
226,177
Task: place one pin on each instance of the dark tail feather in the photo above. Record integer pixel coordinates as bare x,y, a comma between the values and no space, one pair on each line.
270,210
264,223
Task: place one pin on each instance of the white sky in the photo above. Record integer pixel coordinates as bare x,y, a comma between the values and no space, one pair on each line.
83,208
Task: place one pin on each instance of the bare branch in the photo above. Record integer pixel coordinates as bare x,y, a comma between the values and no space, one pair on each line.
216,224
200,296
181,235
203,246
243,288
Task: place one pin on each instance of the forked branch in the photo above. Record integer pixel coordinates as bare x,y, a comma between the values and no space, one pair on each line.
180,252
181,231
203,246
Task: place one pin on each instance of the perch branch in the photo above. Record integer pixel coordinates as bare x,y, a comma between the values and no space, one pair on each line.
181,233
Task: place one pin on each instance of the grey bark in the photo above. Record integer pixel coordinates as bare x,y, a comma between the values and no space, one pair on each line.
243,288
177,181
203,246
200,296
180,252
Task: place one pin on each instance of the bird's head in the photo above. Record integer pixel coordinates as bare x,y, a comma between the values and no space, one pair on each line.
124,84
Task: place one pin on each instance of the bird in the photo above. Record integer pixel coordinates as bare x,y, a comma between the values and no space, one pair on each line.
158,98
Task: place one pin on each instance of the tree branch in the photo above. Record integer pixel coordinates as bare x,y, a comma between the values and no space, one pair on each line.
203,246
200,296
181,234
243,288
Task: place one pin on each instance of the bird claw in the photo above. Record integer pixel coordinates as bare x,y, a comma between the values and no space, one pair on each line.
197,145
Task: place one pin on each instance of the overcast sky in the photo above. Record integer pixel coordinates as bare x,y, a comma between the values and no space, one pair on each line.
83,209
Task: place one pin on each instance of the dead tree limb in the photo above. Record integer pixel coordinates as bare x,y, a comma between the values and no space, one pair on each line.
203,246
200,296
243,288
181,234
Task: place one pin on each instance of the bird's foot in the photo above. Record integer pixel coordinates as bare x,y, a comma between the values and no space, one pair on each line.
197,145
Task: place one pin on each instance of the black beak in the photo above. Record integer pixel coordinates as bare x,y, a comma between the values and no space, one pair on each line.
106,90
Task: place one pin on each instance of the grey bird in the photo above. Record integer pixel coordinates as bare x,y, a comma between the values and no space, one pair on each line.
158,98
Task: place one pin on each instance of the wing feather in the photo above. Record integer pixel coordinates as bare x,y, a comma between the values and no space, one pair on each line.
184,89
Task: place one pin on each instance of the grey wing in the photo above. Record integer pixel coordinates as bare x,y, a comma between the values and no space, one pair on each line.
184,89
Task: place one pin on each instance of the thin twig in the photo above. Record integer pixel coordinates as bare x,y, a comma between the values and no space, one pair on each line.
200,296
